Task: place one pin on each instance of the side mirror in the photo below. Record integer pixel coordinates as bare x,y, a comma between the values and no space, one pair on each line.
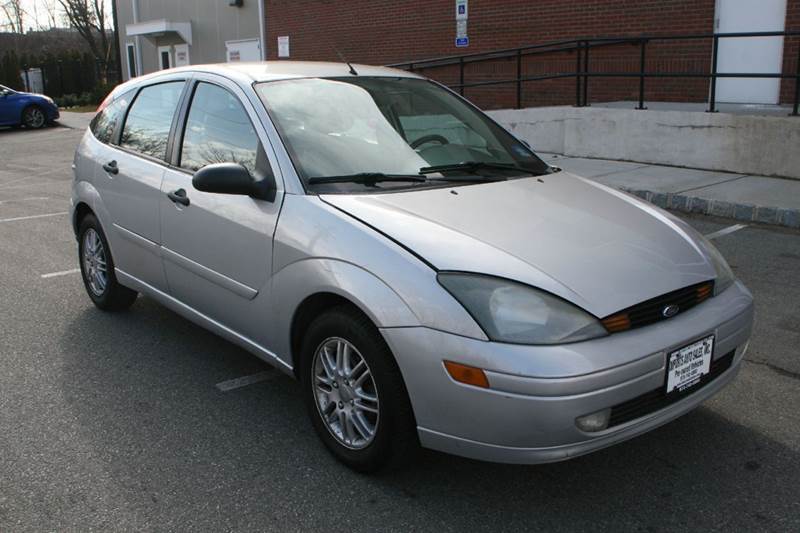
233,178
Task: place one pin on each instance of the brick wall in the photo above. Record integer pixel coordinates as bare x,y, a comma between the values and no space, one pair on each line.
790,50
375,32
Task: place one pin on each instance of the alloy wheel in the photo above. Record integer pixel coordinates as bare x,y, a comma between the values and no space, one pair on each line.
34,118
345,393
94,262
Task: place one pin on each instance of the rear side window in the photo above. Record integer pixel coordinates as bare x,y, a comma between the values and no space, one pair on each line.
105,122
218,131
147,126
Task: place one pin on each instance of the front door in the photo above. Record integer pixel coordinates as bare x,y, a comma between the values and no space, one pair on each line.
217,249
129,176
750,54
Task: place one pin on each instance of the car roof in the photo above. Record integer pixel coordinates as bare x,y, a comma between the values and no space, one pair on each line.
257,71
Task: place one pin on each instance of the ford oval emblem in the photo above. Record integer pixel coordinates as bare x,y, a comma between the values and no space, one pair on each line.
670,310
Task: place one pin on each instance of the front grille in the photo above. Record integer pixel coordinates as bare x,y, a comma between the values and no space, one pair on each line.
652,310
656,399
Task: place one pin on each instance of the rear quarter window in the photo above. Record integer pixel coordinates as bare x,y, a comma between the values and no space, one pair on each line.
105,122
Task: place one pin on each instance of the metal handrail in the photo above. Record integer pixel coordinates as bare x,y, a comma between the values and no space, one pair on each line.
582,46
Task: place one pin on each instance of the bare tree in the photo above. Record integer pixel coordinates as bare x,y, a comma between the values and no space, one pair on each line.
14,14
88,17
50,12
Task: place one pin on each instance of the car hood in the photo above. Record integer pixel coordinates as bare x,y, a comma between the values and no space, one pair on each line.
599,248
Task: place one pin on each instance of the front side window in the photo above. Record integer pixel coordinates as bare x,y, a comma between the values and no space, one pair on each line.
147,126
218,130
105,122
338,127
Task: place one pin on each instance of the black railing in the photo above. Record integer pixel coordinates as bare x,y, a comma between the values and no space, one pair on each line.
582,73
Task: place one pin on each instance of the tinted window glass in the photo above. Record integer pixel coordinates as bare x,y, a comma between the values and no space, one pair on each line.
218,131
147,126
105,122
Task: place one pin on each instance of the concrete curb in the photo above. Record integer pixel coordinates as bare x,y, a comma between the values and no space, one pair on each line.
775,216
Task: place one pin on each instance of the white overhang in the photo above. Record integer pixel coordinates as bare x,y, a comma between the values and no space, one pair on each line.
156,28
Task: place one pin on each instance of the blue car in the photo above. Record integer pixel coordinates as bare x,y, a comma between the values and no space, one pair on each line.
26,109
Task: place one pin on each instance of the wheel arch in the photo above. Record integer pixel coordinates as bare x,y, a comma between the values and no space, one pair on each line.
305,289
81,210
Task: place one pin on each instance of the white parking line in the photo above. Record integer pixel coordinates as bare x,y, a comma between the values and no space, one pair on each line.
34,216
244,381
725,231
30,199
61,273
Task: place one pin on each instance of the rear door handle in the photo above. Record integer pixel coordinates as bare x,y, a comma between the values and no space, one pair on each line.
179,197
111,167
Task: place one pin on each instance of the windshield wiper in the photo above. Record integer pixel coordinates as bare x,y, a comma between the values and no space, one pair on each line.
472,166
367,178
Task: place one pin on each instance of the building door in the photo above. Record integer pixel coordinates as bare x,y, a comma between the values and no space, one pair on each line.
164,57
750,54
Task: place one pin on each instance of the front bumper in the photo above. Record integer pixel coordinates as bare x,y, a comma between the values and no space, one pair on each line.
528,414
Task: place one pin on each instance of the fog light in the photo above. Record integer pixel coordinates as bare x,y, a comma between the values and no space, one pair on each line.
594,422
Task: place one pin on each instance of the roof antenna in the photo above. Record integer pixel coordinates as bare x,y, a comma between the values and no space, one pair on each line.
341,56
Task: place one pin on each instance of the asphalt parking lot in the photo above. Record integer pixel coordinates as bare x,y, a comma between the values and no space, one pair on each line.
115,422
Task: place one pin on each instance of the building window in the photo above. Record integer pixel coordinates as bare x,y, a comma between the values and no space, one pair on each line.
131,60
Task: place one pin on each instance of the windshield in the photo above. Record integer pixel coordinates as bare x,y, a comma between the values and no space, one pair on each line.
392,130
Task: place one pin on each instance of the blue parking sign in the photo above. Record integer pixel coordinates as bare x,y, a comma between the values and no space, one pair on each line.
462,42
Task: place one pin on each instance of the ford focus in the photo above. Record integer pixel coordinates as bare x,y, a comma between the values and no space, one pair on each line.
422,273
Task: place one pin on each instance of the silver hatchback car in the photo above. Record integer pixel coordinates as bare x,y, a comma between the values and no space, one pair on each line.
423,274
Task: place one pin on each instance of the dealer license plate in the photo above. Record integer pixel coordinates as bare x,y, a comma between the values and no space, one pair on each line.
686,366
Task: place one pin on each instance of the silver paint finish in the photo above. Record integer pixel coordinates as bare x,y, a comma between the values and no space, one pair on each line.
241,268
559,233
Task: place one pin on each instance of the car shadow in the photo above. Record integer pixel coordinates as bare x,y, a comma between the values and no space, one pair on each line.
141,387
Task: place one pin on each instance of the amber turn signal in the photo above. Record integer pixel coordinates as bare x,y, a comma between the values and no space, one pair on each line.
467,374
617,323
704,291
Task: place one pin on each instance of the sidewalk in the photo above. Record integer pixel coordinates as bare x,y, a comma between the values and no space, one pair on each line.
761,199
76,121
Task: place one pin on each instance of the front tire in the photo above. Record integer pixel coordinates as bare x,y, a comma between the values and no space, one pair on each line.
33,117
97,269
354,392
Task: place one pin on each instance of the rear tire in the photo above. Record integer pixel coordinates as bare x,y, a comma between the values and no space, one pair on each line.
97,268
393,439
34,117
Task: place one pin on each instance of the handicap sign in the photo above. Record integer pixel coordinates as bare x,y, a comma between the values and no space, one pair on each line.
462,42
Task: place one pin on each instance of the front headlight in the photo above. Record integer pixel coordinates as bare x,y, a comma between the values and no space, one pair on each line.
516,313
725,275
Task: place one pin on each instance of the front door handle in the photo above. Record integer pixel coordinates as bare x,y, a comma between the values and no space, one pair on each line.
111,167
179,197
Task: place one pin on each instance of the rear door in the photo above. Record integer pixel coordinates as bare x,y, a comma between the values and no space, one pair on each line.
217,250
128,176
